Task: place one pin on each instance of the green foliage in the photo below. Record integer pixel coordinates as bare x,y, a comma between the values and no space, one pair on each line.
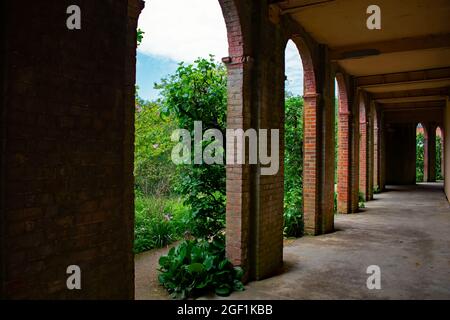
293,167
195,267
158,222
419,157
139,36
361,200
439,158
335,202
197,92
153,169
376,189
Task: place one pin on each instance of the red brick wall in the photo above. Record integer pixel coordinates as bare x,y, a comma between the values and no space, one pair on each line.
344,149
68,192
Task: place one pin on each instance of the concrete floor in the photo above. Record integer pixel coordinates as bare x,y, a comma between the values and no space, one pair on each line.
405,231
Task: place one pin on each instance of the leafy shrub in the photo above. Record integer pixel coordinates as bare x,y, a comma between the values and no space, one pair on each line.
419,157
198,92
376,189
361,200
335,202
153,169
195,267
293,167
439,158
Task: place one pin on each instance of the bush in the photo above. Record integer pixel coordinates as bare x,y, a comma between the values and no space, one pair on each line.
153,169
419,157
335,202
361,200
439,163
376,189
158,222
293,167
198,92
195,267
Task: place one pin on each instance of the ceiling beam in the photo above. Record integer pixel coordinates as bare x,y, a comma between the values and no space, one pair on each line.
397,45
402,106
289,6
411,99
443,91
403,77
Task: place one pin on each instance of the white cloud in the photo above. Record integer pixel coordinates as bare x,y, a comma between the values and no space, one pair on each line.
293,69
183,30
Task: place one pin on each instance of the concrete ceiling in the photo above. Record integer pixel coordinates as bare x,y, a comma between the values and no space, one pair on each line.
343,22
414,35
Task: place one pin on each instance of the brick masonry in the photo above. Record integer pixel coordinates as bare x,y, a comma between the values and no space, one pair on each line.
68,150
67,144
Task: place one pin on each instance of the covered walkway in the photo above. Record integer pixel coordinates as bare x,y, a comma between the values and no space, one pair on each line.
404,231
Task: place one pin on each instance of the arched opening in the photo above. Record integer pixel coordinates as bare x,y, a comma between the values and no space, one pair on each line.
439,155
310,114
293,142
420,152
191,87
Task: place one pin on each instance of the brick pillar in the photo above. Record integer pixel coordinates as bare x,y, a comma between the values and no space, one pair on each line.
354,141
344,166
370,150
310,170
382,157
366,152
363,154
376,146
319,153
429,172
238,176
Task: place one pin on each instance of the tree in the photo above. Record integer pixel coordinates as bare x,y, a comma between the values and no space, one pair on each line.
197,92
153,169
293,167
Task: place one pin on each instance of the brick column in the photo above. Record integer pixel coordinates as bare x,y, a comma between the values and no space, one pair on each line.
238,176
376,142
370,149
319,153
344,166
382,148
363,155
366,148
310,168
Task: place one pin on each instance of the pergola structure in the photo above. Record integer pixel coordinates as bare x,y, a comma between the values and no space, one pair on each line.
67,127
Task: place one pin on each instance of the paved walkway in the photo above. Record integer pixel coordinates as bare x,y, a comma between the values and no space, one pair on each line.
405,231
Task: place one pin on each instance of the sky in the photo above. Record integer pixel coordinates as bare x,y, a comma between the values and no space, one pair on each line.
183,30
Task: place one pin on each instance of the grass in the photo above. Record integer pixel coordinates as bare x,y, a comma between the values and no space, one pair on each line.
159,221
